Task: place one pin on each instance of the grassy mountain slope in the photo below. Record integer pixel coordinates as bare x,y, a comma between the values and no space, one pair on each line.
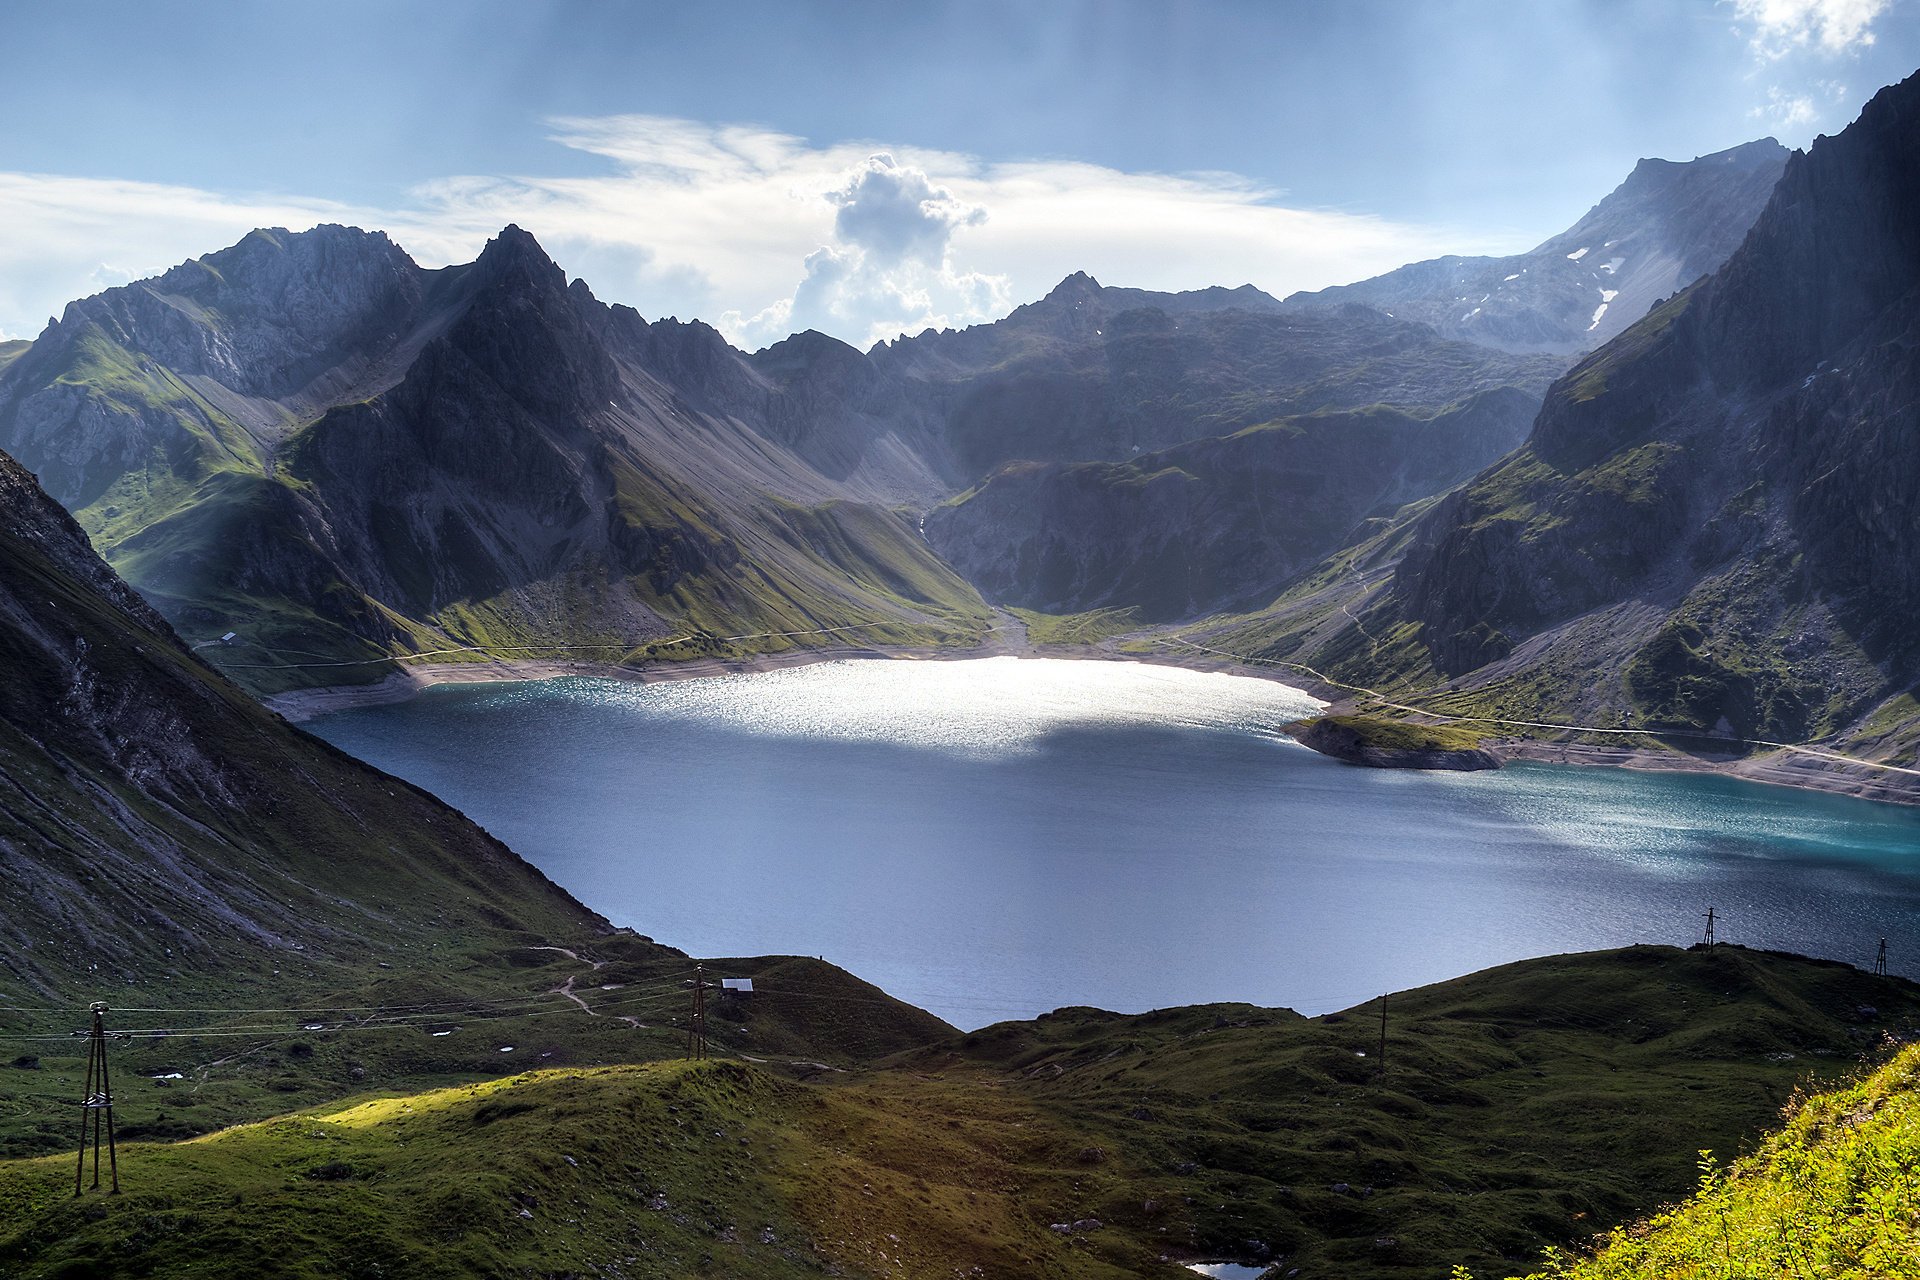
671,1169
1524,1106
1521,1106
1830,1195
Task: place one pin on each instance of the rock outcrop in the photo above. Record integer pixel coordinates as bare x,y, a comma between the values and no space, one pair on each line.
1352,740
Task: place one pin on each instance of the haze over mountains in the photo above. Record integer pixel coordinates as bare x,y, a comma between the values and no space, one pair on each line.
1663,228
1712,523
311,441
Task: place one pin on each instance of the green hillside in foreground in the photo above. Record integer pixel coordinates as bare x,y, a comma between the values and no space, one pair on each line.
1832,1195
1523,1107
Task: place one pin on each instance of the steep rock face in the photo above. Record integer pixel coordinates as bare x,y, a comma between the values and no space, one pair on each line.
1713,525
1666,226
154,819
208,363
492,458
1213,523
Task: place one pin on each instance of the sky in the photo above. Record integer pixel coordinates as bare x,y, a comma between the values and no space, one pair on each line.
874,168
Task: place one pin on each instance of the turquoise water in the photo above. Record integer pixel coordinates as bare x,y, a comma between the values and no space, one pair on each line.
996,838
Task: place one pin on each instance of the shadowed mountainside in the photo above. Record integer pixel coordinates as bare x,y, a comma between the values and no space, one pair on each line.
1711,527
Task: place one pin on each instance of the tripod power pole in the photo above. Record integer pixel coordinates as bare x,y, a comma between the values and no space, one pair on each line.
697,1028
1708,939
1880,962
97,1106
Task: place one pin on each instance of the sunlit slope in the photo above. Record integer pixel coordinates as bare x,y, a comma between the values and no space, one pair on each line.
667,1170
1831,1195
1522,1107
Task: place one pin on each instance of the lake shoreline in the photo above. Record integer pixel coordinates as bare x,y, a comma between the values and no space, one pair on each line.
1774,768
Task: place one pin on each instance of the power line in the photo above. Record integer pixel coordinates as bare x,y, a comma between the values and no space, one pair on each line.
96,1105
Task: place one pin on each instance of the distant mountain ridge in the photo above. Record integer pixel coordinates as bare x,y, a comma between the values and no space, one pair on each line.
341,456
1663,228
311,441
1213,523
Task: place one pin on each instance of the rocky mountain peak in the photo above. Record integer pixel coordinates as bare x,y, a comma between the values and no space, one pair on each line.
515,253
1757,155
1665,226
1075,288
263,317
1834,248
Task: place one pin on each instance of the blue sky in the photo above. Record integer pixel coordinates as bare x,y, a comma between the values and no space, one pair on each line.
869,168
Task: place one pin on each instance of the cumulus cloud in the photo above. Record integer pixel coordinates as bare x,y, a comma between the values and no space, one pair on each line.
891,268
759,231
1776,28
896,213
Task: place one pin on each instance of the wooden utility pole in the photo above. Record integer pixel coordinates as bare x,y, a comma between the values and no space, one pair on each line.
97,1105
1880,962
1708,939
1383,1036
697,1029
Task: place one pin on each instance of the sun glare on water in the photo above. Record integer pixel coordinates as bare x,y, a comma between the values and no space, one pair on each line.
981,708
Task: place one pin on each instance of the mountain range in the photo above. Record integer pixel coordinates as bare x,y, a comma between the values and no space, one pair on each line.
339,456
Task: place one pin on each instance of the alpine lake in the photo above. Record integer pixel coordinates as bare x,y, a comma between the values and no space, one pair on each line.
995,838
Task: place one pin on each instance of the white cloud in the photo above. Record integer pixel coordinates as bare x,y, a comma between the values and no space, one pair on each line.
897,214
892,270
1787,112
1776,28
70,237
1794,115
759,231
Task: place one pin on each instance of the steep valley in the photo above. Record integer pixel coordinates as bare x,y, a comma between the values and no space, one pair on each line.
1655,483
